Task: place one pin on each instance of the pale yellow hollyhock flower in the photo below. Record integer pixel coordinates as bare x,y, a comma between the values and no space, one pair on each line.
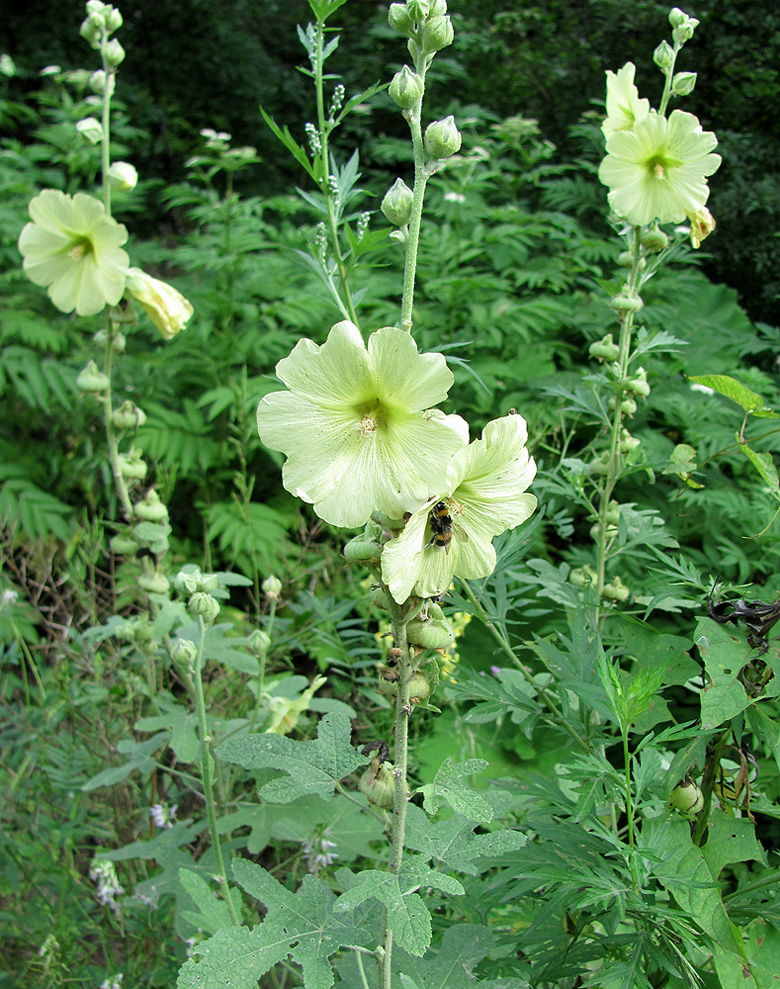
657,170
166,307
358,425
73,248
484,492
624,108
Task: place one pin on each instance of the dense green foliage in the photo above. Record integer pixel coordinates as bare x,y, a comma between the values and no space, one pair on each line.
543,849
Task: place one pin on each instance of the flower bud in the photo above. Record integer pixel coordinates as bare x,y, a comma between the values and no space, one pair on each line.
7,66
437,33
400,18
613,513
131,465
702,225
683,25
123,176
91,29
419,687
153,583
259,643
615,590
683,83
118,341
610,531
627,406
419,9
397,204
654,240
92,379
188,581
123,545
380,598
628,443
184,652
638,385
113,19
205,606
687,798
97,82
663,56
583,576
378,784
442,138
272,588
151,509
128,416
407,88
438,8
605,349
166,307
90,129
431,632
626,301
600,465
114,53
361,550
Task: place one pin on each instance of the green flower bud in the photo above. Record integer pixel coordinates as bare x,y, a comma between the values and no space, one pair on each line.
361,550
437,33
683,25
397,204
378,784
7,66
683,83
90,129
118,341
184,652
92,379
610,531
627,406
128,416
628,443
438,8
400,18
153,583
605,349
188,581
626,260
132,466
205,606
91,29
583,576
687,798
259,642
272,588
600,465
613,513
151,509
430,633
97,82
407,88
113,19
380,598
114,53
419,9
123,176
208,583
123,545
442,138
654,240
626,301
663,56
615,590
419,687
638,385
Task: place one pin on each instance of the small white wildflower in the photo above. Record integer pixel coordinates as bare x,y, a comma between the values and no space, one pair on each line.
103,874
114,982
316,852
454,197
163,815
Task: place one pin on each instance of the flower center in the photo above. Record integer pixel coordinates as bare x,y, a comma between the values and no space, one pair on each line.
373,416
80,250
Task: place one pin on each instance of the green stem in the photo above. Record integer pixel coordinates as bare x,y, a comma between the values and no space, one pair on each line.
324,128
414,117
707,784
401,758
261,671
205,763
111,438
105,147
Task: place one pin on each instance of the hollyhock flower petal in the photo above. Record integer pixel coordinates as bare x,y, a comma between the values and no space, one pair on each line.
72,247
485,494
356,427
658,169
624,108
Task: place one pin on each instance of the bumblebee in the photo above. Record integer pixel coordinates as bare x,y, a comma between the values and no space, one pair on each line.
442,527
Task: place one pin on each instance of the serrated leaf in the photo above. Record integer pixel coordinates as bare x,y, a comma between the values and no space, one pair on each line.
730,839
729,387
313,767
182,725
284,135
230,958
448,785
407,913
462,947
724,652
453,843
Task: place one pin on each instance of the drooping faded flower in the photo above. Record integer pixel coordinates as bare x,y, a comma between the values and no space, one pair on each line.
452,533
166,307
624,108
73,248
657,170
357,424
